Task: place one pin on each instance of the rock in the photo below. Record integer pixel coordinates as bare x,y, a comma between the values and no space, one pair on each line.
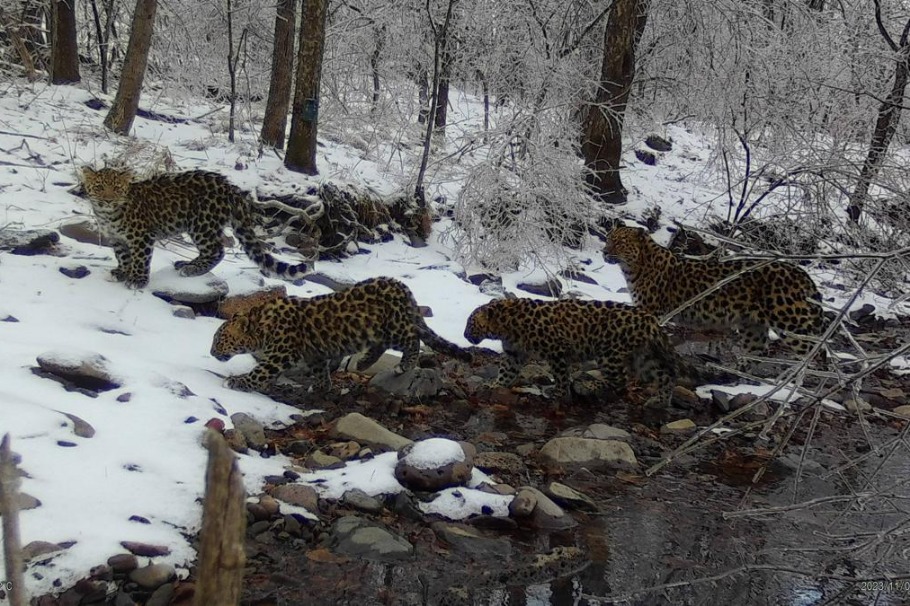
500,462
791,461
434,464
415,383
324,280
215,424
646,157
238,303
269,505
857,404
257,512
77,273
526,450
85,370
358,499
386,363
28,241
206,288
903,411
550,288
858,315
545,515
721,400
123,599
161,596
682,426
145,550
355,537
84,231
344,450
80,427
658,143
578,276
742,399
236,441
320,460
685,398
299,447
364,430
36,549
465,539
123,563
598,431
564,495
589,453
523,504
478,279
182,311
153,575
299,495
252,430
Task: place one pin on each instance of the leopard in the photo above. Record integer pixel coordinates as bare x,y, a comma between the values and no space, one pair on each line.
314,334
135,213
626,342
776,295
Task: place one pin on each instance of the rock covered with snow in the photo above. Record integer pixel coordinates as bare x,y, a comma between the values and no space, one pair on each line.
167,284
84,369
434,463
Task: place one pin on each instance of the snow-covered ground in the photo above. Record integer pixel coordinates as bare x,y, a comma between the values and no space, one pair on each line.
145,460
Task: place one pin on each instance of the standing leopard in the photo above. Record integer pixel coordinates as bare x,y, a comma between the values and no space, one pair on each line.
314,334
135,213
626,341
777,295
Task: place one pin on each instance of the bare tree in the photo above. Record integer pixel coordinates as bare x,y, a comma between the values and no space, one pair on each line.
103,32
275,120
602,142
64,51
301,152
233,57
889,114
123,111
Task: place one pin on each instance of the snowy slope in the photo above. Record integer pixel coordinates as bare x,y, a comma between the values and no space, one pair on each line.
146,458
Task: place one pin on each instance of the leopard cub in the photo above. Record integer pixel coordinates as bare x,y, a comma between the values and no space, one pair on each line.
315,334
626,342
135,213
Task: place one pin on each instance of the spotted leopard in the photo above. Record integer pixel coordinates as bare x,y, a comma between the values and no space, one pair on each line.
778,295
314,334
626,341
135,213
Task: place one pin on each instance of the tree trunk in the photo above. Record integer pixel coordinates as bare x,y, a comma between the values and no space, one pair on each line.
64,52
301,153
275,120
123,111
374,65
602,128
889,115
442,91
32,32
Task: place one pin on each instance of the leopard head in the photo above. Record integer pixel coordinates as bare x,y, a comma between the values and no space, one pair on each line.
626,245
482,323
238,335
106,186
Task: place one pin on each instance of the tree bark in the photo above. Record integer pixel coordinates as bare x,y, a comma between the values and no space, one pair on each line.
442,91
602,128
889,115
380,34
64,52
32,33
275,120
301,152
123,111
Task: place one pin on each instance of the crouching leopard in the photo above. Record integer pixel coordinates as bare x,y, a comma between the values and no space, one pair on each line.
314,334
626,341
135,213
776,295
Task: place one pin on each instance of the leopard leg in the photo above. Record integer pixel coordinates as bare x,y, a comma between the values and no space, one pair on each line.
410,349
122,254
322,375
755,337
271,363
659,373
561,370
510,365
371,357
139,263
211,251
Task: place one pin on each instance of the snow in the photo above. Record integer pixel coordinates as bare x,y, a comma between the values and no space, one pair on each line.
433,453
146,458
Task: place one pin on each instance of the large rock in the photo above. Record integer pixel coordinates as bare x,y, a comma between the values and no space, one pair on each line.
29,241
589,452
434,464
353,536
250,428
355,426
85,370
415,383
206,288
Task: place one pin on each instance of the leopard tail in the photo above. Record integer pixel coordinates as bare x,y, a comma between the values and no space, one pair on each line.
437,343
242,223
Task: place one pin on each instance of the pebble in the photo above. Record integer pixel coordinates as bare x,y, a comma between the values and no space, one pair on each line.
153,575
123,563
252,430
300,495
682,426
358,499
